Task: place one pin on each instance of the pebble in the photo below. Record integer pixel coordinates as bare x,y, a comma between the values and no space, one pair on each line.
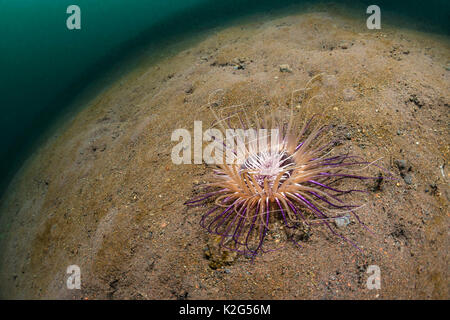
345,45
189,89
342,221
408,179
285,68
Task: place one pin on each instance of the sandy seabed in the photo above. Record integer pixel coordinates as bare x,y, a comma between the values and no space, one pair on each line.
102,193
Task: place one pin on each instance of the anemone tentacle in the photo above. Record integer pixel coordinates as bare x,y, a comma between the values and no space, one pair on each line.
293,179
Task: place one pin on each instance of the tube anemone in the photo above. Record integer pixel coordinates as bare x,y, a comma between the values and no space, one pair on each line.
288,176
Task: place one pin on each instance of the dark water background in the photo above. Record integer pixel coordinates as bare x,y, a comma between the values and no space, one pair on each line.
44,66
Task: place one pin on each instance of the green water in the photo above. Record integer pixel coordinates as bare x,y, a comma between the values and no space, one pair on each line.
44,66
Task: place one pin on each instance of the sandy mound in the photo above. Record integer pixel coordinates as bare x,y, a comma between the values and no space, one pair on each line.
104,194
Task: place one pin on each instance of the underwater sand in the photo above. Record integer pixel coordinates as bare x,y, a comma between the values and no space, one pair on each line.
103,193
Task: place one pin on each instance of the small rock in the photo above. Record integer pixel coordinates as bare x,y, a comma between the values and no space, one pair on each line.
345,45
239,64
227,270
408,179
218,257
189,89
342,221
285,68
414,99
